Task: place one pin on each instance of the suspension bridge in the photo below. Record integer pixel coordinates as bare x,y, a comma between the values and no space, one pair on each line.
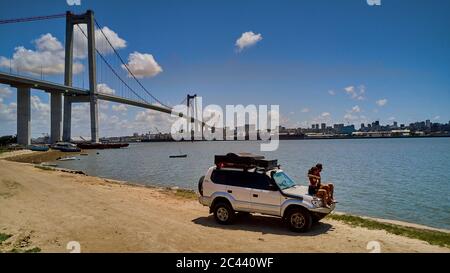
130,89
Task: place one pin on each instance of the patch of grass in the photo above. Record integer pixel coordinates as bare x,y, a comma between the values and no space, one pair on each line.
45,168
31,250
4,237
433,237
185,194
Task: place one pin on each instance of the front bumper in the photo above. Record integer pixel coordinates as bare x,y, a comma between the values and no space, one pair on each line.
324,210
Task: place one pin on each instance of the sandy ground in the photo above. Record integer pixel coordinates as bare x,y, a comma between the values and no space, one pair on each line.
48,209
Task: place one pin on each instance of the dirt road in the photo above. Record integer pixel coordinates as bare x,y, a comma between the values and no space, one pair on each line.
48,209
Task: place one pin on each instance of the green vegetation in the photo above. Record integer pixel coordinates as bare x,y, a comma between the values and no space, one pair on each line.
4,237
183,193
31,250
6,140
45,168
433,237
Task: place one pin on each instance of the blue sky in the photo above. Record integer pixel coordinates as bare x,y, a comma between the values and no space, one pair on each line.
310,53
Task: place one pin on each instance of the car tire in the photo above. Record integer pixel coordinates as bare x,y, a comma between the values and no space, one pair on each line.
299,220
224,213
200,185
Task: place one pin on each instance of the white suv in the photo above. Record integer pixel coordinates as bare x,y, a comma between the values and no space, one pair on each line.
248,183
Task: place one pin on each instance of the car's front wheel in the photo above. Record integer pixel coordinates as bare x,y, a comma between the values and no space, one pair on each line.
299,220
224,213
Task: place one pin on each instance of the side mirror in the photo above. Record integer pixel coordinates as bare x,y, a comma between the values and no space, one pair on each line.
273,187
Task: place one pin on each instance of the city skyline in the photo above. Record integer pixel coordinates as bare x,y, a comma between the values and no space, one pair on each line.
319,64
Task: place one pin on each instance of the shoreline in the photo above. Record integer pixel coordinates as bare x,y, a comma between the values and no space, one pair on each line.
51,156
149,209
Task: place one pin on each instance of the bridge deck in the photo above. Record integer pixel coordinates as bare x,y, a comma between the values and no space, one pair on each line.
20,81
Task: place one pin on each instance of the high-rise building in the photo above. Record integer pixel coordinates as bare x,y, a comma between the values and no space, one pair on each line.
395,124
323,126
428,123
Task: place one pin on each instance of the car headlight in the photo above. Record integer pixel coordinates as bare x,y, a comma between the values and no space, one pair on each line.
316,202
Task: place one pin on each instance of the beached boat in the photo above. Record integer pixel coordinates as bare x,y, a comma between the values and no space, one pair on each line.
67,158
38,148
101,146
66,147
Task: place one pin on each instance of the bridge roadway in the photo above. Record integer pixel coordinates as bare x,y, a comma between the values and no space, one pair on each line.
25,84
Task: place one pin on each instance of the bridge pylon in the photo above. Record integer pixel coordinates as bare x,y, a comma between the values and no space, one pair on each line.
72,20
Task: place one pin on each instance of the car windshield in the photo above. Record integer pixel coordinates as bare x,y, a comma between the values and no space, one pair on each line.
283,181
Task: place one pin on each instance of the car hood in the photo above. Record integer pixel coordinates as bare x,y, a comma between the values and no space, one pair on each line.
299,191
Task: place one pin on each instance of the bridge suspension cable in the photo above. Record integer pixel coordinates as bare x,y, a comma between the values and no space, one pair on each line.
112,69
30,19
126,66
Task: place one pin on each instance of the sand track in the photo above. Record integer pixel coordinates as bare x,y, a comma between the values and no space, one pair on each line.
47,209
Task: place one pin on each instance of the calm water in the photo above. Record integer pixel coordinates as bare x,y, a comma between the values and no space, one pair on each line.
400,179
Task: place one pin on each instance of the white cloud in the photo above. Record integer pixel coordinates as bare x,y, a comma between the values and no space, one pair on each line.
147,120
119,108
331,92
381,102
356,109
47,58
324,117
350,90
305,110
247,39
437,117
5,92
391,118
80,41
105,89
38,105
143,65
356,93
350,117
7,111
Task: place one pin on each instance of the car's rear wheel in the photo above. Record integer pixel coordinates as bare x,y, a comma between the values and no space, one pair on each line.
224,213
299,220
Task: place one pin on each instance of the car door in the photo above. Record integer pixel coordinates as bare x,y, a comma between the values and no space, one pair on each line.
238,187
265,198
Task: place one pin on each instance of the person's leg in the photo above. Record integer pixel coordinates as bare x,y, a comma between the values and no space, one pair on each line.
331,187
327,188
322,194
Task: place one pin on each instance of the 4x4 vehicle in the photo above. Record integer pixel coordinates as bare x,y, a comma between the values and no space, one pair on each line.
249,183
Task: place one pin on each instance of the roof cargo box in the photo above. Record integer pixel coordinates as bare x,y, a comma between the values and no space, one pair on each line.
244,160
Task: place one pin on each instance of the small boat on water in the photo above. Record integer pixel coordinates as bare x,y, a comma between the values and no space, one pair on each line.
38,148
177,156
101,146
66,147
67,158
49,165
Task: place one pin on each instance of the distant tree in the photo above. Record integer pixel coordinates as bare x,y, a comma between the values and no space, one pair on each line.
6,140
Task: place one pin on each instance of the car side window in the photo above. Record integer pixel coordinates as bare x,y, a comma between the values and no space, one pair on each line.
259,181
219,177
242,179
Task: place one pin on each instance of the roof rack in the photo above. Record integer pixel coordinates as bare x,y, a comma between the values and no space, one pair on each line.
244,161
